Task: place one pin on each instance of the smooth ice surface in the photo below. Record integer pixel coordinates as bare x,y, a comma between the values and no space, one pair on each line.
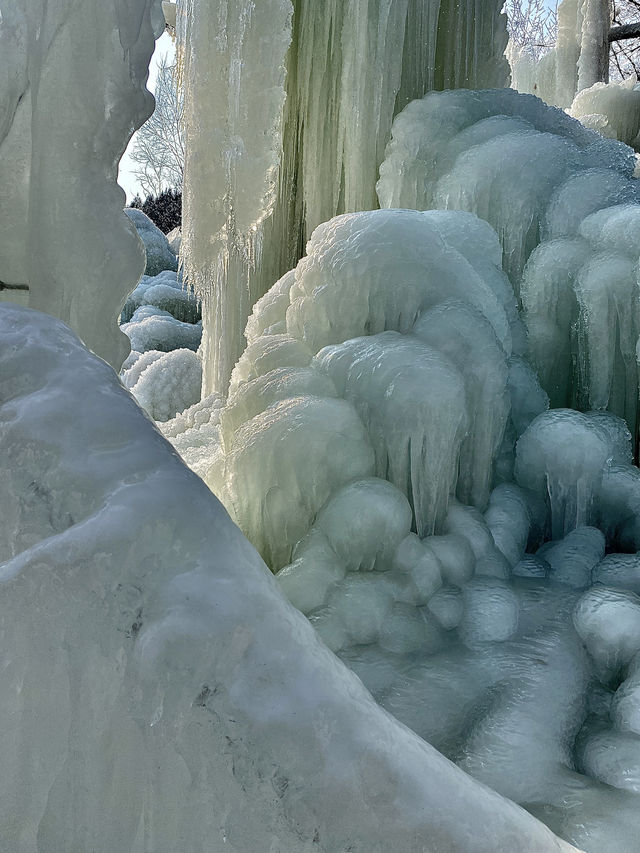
63,128
187,705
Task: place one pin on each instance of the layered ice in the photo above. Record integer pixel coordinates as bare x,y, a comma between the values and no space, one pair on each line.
187,704
568,234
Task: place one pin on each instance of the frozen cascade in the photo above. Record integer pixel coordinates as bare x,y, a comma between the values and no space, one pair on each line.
368,445
383,314
569,236
258,183
79,263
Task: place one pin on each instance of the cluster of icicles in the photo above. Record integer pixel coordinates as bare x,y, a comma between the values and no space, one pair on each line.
387,445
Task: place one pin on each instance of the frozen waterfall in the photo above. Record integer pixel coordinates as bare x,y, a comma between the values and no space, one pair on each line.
296,125
428,637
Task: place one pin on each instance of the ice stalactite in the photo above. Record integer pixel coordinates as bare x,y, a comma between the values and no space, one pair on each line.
568,235
260,180
384,314
66,247
232,69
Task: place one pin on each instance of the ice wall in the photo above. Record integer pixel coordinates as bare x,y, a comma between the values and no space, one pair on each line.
158,693
72,91
568,232
263,171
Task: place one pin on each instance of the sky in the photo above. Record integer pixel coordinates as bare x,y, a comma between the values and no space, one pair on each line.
165,48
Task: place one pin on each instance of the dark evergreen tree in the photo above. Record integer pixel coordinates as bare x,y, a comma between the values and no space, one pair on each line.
165,209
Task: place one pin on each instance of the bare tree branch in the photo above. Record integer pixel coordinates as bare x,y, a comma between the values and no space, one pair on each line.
159,144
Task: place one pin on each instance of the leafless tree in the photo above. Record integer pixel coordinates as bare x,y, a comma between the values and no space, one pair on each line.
532,25
159,144
625,50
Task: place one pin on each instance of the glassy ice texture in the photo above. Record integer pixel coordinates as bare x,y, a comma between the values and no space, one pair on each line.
384,315
72,91
262,171
568,234
168,697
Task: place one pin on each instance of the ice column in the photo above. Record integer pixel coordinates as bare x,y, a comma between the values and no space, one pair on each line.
260,178
72,91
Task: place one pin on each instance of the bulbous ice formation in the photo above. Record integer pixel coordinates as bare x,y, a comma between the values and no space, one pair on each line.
65,246
187,705
412,337
294,129
568,233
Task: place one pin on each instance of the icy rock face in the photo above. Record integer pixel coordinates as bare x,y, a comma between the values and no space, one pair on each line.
159,254
383,315
569,236
79,264
211,713
289,154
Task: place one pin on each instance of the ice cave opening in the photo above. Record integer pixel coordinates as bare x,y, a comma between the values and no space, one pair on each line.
378,585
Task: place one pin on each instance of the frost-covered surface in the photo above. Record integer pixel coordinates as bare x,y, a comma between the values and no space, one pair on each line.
63,128
187,705
159,254
568,233
165,384
261,207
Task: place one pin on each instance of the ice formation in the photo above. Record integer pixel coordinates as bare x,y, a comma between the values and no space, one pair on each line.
67,248
383,315
568,235
386,445
159,254
187,706
259,182
579,59
162,321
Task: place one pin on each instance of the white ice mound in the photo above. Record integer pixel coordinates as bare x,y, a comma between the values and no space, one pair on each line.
67,111
386,351
158,252
186,704
563,457
569,232
613,109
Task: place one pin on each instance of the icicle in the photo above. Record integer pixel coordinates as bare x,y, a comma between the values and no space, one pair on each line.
232,55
